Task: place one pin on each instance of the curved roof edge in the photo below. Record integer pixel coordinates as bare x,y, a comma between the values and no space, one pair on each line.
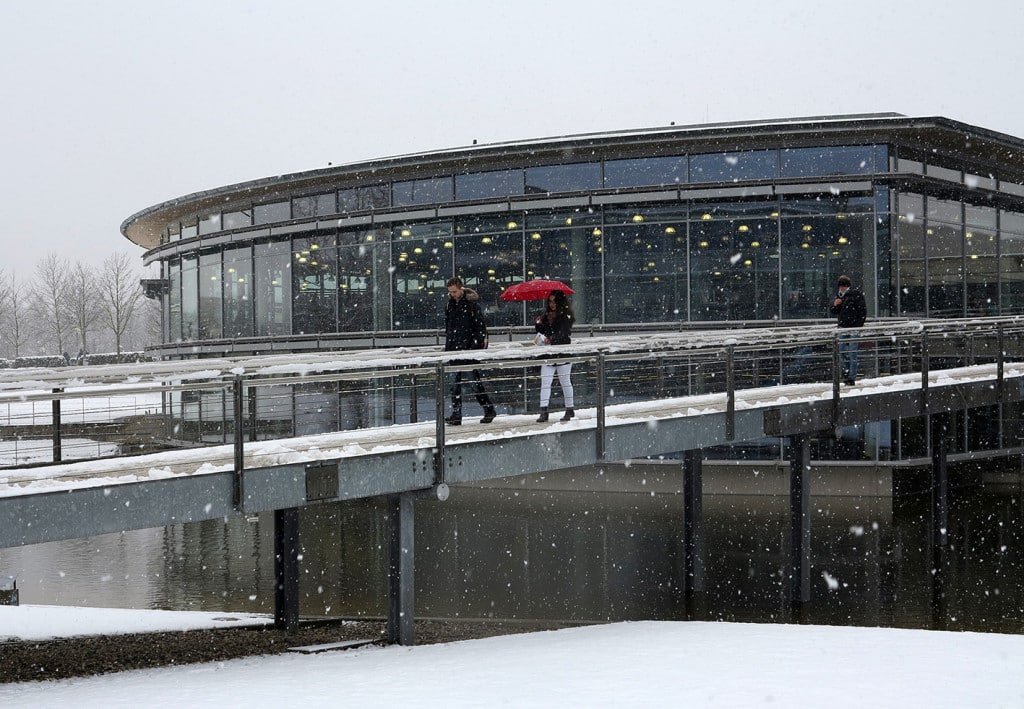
802,124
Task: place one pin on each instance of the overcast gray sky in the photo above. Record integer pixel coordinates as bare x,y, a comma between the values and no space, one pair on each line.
112,106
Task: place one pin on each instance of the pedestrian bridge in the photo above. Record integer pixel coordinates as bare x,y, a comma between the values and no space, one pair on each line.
639,395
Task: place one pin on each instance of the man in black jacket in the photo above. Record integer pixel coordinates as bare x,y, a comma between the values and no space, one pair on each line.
465,329
851,311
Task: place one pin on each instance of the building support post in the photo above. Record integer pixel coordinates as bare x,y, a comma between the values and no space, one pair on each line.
401,569
286,568
56,427
693,534
800,525
938,434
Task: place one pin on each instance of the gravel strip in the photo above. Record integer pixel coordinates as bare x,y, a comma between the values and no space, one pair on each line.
35,660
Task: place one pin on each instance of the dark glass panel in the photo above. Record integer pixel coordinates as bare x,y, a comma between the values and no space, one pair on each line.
314,285
189,298
734,167
734,269
980,251
485,185
568,246
945,268
826,161
209,223
211,291
428,191
1011,262
489,263
360,198
563,178
643,172
238,315
645,272
362,278
174,301
272,213
421,268
943,173
944,210
237,220
273,280
189,229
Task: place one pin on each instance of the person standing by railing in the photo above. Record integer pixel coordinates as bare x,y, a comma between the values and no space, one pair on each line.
851,311
554,325
465,329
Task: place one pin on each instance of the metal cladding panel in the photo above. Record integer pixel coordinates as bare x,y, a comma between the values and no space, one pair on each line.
86,512
281,487
502,458
658,437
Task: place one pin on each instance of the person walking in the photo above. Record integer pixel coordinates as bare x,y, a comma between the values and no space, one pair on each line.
465,329
851,311
554,325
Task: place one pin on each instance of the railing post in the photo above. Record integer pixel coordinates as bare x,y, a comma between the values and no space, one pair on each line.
602,402
1000,360
237,396
924,372
414,411
439,396
55,424
730,392
837,368
800,525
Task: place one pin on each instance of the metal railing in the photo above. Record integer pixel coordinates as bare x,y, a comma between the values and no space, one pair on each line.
238,401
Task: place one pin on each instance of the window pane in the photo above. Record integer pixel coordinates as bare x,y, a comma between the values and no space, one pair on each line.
189,298
273,277
563,178
209,224
732,167
428,191
359,198
484,185
238,316
422,266
237,220
825,161
211,319
645,265
314,285
644,172
270,213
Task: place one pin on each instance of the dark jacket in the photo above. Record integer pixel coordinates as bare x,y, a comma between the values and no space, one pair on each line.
853,311
557,330
464,326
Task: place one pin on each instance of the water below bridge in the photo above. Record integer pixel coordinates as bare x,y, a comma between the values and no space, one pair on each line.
546,552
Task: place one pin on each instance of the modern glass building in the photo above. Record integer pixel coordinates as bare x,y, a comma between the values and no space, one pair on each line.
728,222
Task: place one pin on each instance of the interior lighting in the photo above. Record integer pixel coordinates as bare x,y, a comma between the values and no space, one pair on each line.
449,245
512,225
314,247
637,218
490,271
670,230
302,259
748,262
597,231
807,227
805,245
703,244
705,216
568,221
754,244
418,250
535,236
406,232
744,228
974,257
486,240
842,240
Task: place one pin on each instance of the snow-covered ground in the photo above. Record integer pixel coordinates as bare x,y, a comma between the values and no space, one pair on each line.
642,664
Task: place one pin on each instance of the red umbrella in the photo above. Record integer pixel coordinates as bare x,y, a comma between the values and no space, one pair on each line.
537,289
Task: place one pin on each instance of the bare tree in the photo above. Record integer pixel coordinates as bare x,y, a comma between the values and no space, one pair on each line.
121,296
84,304
50,300
5,313
19,321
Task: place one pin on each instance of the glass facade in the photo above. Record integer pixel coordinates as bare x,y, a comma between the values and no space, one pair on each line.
769,255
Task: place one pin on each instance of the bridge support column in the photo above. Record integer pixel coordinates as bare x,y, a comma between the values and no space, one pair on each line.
800,525
401,569
693,534
286,568
938,434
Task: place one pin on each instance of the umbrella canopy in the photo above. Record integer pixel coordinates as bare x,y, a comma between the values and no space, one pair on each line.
537,289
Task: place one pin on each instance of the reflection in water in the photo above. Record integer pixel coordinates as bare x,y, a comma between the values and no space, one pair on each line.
518,553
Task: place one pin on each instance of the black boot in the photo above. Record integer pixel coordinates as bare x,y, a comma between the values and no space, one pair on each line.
454,420
489,414
569,413
543,418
